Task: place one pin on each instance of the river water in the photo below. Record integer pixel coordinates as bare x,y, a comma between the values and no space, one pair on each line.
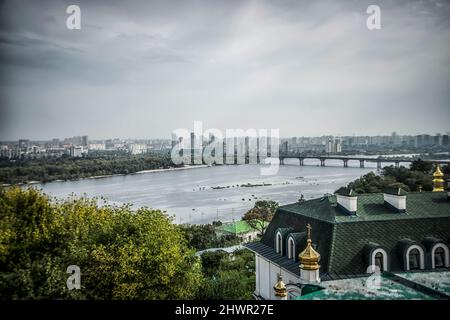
192,196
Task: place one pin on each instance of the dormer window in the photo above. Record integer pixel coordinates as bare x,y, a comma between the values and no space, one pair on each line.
377,258
415,258
278,245
291,248
440,256
380,259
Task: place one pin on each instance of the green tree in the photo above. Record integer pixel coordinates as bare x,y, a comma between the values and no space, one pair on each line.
408,179
211,262
122,254
48,169
228,276
261,213
420,165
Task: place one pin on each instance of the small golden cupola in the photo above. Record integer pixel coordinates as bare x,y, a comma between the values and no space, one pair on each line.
438,179
309,258
280,288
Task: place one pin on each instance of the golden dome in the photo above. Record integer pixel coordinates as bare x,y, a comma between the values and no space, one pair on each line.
438,182
280,288
438,173
309,258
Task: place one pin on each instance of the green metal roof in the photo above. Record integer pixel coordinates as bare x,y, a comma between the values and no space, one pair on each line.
341,239
237,227
371,207
365,288
438,280
395,191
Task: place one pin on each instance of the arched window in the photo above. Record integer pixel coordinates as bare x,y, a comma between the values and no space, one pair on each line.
415,258
291,249
440,256
380,259
279,247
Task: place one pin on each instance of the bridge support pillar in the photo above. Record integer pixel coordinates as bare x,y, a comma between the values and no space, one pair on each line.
301,161
345,163
282,161
379,165
322,162
361,163
397,164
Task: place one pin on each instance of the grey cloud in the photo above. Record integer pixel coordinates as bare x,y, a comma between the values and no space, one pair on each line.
148,67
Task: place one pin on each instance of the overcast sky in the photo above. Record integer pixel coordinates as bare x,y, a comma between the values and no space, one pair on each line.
141,69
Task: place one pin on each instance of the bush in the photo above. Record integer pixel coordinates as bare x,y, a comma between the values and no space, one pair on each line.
122,254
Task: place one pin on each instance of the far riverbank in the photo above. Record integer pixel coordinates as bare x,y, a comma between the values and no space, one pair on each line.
110,175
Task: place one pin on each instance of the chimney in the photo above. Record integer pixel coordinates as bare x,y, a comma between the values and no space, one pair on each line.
347,200
395,198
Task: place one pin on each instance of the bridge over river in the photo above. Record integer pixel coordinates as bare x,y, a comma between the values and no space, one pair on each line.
346,159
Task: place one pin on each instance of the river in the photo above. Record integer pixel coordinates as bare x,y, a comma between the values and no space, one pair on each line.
202,195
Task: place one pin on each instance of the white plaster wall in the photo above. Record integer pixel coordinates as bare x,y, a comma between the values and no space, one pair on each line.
257,274
267,275
397,201
349,203
264,278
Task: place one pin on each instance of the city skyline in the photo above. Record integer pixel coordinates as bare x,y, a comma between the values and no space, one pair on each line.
170,137
143,69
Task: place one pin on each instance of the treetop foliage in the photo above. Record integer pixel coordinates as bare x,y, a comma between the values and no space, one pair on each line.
122,254
417,177
261,213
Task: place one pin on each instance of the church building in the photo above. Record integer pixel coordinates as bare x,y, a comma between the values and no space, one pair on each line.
348,235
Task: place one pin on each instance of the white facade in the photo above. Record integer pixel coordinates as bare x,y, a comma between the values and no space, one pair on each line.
267,276
244,237
78,151
137,148
309,276
97,146
398,202
249,236
349,203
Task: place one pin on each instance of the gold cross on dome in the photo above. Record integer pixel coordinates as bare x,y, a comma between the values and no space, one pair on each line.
308,226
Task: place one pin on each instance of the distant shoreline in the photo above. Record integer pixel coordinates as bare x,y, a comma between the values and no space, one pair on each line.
172,169
109,175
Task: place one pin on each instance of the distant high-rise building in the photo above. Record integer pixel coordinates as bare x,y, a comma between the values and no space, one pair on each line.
192,147
329,146
84,141
137,148
76,151
337,145
445,140
174,140
24,143
285,147
196,149
55,143
109,144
